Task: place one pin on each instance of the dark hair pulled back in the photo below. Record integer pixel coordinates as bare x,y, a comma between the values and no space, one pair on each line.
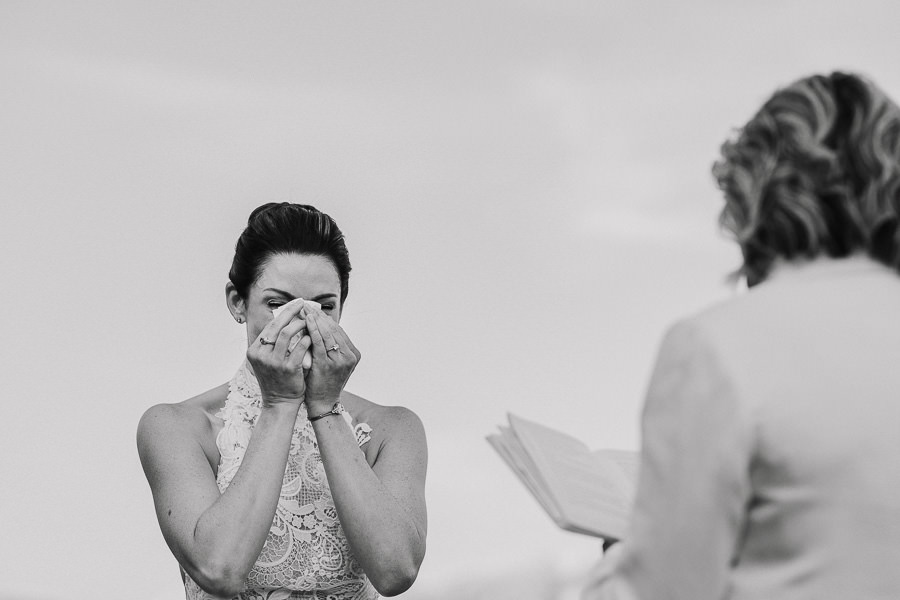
286,228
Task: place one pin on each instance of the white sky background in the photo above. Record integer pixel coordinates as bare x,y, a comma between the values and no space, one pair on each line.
525,191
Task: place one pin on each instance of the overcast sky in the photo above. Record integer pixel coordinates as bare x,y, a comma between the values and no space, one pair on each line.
525,191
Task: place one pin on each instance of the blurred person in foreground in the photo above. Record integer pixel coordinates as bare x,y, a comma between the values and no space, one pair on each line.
280,484
771,428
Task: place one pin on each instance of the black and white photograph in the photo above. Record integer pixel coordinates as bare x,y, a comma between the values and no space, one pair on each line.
537,300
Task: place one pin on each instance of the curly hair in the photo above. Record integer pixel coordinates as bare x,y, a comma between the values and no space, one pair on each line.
816,170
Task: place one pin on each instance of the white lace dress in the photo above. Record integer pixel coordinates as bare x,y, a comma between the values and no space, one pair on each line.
306,555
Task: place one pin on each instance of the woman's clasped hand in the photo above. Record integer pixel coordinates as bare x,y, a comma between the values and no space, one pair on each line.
277,357
334,359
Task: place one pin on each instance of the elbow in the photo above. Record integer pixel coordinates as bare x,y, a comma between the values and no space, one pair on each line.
395,582
397,577
219,580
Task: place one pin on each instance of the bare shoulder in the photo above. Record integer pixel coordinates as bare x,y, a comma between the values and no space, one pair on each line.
394,420
394,428
190,421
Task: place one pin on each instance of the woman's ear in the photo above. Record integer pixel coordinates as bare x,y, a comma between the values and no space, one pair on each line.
236,305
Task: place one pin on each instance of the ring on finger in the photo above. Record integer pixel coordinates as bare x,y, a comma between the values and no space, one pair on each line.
335,347
266,342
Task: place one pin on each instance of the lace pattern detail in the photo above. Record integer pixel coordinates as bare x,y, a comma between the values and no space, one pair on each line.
306,554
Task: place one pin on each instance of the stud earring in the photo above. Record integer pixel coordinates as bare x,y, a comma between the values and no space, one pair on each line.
239,319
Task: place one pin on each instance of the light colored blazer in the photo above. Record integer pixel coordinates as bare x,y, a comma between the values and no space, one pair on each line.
771,447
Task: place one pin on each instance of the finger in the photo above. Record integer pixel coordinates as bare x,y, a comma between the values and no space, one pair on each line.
285,314
283,341
297,359
264,342
315,335
346,351
348,354
341,338
326,328
296,339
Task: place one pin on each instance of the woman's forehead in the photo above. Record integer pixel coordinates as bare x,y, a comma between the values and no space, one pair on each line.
298,274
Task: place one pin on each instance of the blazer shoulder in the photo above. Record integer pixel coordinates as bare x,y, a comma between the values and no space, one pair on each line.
734,320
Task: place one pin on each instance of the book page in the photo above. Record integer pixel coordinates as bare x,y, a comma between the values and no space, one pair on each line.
593,490
628,461
511,451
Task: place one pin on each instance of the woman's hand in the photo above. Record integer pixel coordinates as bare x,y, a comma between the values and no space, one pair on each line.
278,365
334,359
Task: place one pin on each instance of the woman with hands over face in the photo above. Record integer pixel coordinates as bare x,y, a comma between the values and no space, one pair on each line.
281,484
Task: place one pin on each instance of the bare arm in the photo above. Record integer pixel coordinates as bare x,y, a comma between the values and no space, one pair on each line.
217,538
382,507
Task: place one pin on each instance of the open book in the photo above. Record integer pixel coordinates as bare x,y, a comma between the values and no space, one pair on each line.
582,490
